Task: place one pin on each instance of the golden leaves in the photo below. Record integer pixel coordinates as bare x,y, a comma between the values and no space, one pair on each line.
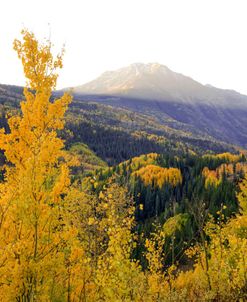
158,176
38,63
227,156
36,181
212,178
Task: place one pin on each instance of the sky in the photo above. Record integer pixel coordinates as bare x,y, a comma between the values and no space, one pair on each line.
203,39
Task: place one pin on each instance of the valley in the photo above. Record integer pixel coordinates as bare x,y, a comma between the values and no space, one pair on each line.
156,157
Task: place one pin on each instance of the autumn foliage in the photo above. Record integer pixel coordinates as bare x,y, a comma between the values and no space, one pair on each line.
32,231
158,176
62,242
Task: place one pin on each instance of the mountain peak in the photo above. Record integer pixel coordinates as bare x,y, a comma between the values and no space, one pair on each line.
139,68
153,81
148,68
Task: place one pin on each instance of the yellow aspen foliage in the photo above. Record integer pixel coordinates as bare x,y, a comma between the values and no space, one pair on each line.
212,179
230,169
33,232
62,242
227,156
118,276
141,161
222,276
105,270
159,176
154,255
81,252
160,281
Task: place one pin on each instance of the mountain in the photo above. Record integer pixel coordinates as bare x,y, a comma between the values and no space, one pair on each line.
157,82
116,134
176,100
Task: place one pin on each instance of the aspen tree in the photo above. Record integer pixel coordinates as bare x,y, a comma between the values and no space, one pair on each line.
32,231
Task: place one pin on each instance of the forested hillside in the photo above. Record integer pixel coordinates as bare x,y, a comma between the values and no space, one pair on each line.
117,134
176,100
103,204
166,187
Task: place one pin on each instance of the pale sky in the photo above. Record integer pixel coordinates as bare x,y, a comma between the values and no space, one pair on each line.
204,39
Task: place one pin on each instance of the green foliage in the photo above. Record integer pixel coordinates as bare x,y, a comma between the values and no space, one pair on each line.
86,161
176,224
117,134
163,226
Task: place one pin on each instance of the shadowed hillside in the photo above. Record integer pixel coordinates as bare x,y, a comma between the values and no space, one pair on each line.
176,100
